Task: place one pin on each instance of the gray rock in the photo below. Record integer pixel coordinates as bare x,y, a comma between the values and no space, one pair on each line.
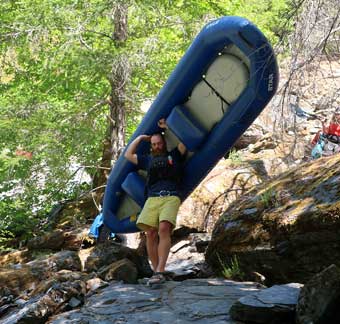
5,308
13,281
74,302
200,240
257,277
251,136
182,233
297,220
320,298
183,261
273,305
180,245
53,241
196,237
63,260
94,284
199,300
39,308
123,270
250,211
201,246
109,252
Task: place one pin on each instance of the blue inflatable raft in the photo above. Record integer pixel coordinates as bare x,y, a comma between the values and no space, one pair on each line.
222,83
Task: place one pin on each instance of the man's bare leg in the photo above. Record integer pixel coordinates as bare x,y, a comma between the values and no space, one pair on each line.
164,245
152,247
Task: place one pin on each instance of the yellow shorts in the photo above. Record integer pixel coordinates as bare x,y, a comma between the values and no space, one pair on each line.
157,209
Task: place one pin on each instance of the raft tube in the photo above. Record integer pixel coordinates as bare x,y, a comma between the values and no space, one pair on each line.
223,82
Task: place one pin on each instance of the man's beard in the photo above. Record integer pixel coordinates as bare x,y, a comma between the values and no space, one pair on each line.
158,152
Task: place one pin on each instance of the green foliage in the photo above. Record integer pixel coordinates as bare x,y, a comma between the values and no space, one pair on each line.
269,198
266,14
232,269
235,157
5,237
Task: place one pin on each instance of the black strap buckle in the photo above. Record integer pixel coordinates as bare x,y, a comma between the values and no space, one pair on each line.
164,193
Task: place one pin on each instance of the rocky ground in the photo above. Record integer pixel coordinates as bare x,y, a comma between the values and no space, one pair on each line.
104,284
266,217
193,300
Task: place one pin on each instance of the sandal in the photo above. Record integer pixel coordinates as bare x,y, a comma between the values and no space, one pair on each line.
157,278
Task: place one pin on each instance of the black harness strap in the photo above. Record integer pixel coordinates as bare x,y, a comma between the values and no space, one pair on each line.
218,95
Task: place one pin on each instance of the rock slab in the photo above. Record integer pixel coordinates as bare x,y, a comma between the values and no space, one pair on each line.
194,300
275,305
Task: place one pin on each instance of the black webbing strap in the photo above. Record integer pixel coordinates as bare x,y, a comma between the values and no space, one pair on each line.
217,94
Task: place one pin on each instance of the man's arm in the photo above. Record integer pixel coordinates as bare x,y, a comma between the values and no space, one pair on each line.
181,147
130,152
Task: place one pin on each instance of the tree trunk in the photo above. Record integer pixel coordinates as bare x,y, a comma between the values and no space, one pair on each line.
116,130
114,140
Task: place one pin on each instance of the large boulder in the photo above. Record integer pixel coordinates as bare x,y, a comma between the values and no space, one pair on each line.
17,256
123,270
62,296
232,177
222,186
319,298
110,252
59,239
26,277
52,240
286,229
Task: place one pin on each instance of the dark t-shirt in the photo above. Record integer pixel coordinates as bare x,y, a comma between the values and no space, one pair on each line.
161,167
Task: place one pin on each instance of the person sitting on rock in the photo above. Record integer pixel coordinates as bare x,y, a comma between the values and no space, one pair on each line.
158,217
332,130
